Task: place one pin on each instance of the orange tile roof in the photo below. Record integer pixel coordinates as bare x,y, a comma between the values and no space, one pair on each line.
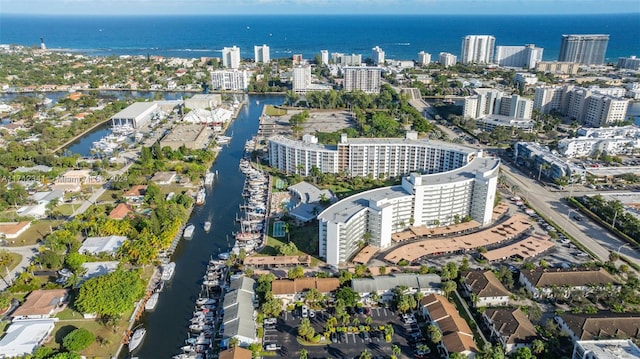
120,211
456,333
288,286
235,353
40,302
135,191
10,228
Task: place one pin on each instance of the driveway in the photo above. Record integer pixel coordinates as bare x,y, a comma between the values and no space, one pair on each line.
27,253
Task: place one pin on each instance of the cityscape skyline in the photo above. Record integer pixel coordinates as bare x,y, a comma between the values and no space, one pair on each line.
316,7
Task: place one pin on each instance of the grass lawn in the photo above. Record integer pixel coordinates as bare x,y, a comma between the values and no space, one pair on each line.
272,111
305,238
15,260
110,195
67,209
38,230
109,337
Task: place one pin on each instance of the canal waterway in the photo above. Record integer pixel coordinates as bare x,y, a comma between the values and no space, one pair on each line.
167,325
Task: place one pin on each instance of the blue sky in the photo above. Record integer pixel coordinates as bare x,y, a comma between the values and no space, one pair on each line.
224,7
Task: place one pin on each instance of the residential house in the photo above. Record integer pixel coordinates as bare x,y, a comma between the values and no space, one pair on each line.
23,337
41,304
510,327
135,194
235,353
120,211
97,245
485,289
239,313
72,180
548,282
602,325
96,269
41,199
287,289
164,177
12,230
385,284
457,336
38,168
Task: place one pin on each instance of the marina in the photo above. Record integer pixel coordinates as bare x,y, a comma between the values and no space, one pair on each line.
183,297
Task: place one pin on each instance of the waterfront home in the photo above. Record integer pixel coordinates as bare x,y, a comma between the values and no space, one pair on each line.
96,269
23,337
485,289
510,327
42,304
457,336
164,177
288,290
385,284
549,282
277,261
601,325
239,313
121,211
97,245
135,194
12,230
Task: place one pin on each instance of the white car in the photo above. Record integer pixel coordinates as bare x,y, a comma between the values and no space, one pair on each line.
272,347
304,311
312,313
270,321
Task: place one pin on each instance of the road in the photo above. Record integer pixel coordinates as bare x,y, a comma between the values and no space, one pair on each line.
596,239
27,253
129,158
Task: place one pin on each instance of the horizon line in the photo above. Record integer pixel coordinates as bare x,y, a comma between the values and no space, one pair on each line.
321,14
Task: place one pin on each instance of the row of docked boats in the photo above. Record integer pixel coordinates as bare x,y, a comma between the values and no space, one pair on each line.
252,221
207,315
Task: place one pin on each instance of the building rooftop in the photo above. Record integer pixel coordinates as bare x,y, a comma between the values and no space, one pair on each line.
343,210
287,286
41,302
526,248
135,109
484,283
120,211
467,172
609,349
24,336
235,353
388,282
512,324
13,228
603,325
571,277
95,245
184,133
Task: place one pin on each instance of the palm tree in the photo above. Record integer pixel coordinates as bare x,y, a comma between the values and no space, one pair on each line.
396,350
304,354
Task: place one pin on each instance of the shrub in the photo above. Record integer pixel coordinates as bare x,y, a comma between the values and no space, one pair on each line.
78,340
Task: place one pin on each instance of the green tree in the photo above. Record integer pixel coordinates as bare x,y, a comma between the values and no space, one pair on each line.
112,294
366,354
538,346
348,296
272,307
305,330
233,342
434,333
523,353
296,272
78,339
448,287
304,354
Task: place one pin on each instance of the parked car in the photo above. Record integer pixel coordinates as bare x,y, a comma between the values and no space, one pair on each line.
270,321
272,347
312,313
304,311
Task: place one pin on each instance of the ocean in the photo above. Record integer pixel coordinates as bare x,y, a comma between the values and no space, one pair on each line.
401,37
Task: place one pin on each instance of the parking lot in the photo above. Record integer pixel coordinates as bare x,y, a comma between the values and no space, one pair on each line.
344,345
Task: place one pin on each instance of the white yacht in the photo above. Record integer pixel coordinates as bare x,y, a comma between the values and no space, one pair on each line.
151,302
188,231
207,226
168,270
136,339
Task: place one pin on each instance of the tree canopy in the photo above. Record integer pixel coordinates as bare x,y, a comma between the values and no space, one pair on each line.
111,294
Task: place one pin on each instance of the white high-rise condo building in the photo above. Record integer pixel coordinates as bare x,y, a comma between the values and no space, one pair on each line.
494,102
377,55
324,57
230,80
300,78
630,62
430,200
362,78
261,54
447,60
591,106
377,157
231,57
518,56
477,49
424,58
346,60
583,49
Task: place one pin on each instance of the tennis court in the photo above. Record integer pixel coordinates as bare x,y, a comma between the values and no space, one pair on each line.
278,229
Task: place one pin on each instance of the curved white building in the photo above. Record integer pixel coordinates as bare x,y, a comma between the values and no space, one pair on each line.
430,200
376,157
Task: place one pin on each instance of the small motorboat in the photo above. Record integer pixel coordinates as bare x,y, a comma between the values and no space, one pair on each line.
136,339
207,226
224,255
188,231
152,302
